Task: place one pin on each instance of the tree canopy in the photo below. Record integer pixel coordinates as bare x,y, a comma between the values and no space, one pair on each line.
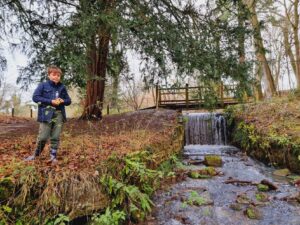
170,37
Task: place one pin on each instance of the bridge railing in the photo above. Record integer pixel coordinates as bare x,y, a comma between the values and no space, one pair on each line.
194,95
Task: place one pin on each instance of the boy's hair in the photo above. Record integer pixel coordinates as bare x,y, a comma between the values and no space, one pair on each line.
50,69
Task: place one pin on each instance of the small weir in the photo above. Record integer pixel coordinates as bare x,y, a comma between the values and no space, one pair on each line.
205,129
229,197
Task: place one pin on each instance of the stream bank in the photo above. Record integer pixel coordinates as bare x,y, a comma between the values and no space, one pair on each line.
102,166
268,131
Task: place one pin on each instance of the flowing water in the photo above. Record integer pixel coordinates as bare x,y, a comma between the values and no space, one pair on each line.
205,128
205,134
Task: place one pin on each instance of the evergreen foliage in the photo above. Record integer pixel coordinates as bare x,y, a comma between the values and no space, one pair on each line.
171,37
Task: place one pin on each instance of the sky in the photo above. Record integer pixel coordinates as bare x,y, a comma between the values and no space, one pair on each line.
16,59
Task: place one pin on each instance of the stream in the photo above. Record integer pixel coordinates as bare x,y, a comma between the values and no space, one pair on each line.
217,200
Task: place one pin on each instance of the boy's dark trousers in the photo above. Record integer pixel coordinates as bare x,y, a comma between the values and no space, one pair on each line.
50,130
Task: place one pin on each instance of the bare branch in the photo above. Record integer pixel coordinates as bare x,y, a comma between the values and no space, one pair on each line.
287,13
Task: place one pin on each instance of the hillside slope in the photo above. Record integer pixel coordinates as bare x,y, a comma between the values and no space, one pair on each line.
269,130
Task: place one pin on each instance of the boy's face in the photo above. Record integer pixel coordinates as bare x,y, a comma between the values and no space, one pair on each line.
54,76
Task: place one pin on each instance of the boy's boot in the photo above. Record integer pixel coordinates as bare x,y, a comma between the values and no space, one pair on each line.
37,151
53,155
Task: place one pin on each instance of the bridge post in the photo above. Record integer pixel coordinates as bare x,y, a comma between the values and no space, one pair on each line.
187,95
222,94
156,96
107,109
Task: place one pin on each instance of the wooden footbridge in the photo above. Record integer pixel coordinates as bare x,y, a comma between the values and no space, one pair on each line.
194,97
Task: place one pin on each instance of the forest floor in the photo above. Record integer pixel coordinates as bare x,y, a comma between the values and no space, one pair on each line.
84,143
280,116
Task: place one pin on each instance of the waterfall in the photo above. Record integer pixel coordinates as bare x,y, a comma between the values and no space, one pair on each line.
205,129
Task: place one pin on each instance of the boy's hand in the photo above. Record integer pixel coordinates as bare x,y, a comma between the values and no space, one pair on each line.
60,100
55,102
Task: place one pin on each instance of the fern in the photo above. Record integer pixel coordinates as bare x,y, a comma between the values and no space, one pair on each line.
109,218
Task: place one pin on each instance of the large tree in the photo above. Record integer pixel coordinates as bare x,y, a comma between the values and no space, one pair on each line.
79,36
290,25
259,45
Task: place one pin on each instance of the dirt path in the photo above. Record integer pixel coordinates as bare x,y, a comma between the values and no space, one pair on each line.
16,129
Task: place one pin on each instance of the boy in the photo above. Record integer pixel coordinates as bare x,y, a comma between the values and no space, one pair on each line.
52,97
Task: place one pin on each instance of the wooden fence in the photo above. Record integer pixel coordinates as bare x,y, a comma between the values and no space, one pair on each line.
194,96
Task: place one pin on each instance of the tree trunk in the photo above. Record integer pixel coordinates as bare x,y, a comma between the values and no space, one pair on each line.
241,38
117,66
288,73
96,70
115,90
97,56
277,69
287,45
258,89
296,39
260,50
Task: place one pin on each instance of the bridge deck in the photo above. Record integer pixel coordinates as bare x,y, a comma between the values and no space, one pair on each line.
194,97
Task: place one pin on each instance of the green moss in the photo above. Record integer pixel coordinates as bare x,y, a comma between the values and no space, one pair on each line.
293,178
262,187
209,171
253,213
193,174
213,160
6,189
196,199
203,173
243,199
248,138
203,176
282,172
262,197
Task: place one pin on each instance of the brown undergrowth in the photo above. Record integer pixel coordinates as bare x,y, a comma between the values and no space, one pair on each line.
269,130
41,190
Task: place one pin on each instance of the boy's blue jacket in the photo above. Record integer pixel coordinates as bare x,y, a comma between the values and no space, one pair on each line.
44,94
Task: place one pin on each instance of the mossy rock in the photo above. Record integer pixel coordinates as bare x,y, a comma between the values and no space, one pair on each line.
203,173
262,197
236,206
293,177
262,187
253,213
194,199
298,198
282,172
6,189
211,171
243,199
196,175
203,176
193,174
213,160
